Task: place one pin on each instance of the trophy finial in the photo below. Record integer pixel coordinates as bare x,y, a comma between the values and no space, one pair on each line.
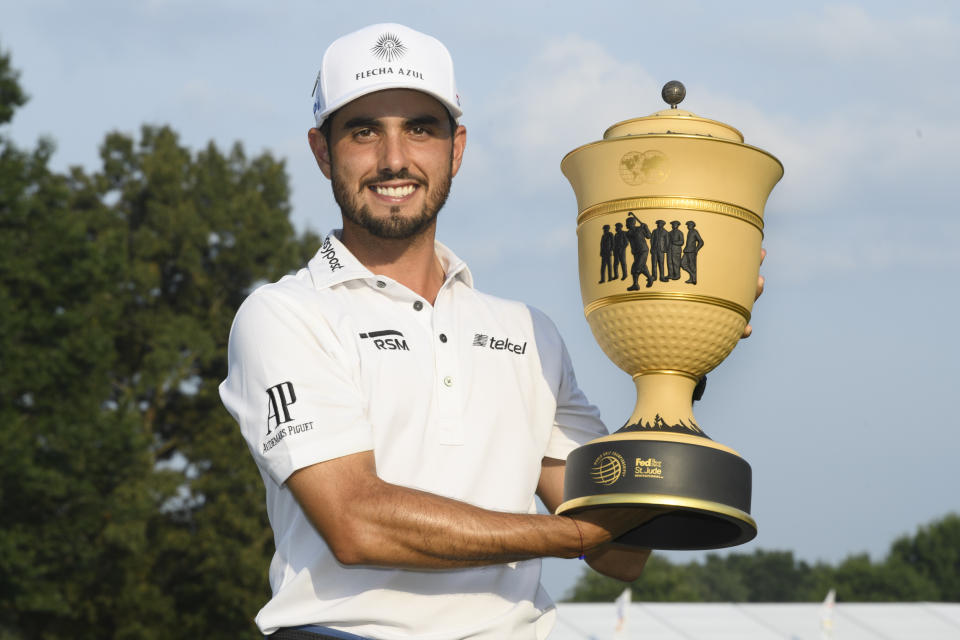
673,93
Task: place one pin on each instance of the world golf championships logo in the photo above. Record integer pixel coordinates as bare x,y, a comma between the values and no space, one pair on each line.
607,468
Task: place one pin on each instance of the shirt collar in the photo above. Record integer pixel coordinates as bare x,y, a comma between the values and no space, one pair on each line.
334,264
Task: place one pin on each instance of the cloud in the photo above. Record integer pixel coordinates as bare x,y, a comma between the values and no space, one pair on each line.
565,97
851,172
849,33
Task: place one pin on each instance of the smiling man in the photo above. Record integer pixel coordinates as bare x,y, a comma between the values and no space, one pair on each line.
402,421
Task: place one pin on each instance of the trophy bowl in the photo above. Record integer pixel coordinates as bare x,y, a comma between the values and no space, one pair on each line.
669,231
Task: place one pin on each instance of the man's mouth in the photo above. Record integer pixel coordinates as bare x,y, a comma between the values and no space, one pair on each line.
394,192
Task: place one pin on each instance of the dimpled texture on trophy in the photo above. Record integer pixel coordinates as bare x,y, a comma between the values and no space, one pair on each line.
669,228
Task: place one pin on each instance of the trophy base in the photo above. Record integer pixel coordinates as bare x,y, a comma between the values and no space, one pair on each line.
701,488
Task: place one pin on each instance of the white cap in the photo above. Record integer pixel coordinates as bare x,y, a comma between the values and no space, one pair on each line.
384,56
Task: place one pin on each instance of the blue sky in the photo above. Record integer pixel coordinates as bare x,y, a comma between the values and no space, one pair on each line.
841,401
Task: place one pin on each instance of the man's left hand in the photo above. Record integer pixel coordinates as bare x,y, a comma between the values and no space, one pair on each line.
623,562
747,330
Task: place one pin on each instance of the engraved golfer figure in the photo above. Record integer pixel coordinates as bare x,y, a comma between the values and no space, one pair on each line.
693,246
606,255
636,236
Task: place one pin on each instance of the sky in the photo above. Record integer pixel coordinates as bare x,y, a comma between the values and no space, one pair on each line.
841,401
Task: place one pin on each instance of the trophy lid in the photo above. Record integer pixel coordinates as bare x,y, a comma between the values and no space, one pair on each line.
673,121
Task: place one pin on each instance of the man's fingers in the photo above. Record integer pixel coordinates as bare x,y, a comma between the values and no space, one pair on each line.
748,330
604,524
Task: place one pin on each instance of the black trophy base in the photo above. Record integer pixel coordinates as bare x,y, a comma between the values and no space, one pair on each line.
701,487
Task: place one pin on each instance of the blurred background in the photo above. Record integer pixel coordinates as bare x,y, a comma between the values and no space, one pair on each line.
841,400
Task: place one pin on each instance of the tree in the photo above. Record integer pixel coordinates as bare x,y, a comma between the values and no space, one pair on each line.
131,506
934,553
925,567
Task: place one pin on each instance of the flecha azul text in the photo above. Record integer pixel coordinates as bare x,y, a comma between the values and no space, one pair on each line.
383,71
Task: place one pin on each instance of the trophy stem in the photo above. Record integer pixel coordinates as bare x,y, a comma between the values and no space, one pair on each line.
664,403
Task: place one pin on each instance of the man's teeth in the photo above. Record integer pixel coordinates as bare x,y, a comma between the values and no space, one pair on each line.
395,192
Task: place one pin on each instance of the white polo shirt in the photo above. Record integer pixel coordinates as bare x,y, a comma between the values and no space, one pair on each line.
462,399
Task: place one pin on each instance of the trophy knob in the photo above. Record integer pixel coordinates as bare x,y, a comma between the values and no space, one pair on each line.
673,93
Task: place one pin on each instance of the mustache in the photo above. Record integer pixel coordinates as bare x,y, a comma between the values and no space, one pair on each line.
386,174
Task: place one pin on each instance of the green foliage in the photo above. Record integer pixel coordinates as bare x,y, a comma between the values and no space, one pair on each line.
934,553
925,567
131,506
11,93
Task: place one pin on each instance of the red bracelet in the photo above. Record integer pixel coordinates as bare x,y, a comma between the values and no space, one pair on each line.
580,533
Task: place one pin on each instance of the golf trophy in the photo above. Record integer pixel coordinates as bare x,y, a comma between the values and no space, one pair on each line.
669,229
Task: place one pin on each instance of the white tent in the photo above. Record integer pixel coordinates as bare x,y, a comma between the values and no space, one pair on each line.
774,621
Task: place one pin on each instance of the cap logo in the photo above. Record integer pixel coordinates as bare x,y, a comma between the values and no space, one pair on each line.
388,48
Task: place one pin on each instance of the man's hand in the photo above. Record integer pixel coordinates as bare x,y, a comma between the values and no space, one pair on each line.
625,563
747,330
618,561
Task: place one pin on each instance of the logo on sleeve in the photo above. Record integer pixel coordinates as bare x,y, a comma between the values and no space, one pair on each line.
279,399
498,344
386,340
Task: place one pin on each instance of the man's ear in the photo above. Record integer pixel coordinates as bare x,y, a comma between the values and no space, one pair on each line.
459,144
321,151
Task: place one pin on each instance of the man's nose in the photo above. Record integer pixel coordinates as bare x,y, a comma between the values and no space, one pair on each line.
393,153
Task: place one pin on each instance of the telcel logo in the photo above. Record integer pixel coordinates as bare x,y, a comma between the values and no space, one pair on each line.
498,344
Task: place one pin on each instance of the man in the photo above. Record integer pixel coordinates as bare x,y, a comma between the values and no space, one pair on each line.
675,250
658,249
690,251
402,421
637,237
606,255
620,243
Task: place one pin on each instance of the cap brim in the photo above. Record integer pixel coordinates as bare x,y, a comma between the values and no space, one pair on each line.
453,109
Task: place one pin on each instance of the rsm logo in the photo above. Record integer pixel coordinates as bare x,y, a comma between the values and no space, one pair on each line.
386,340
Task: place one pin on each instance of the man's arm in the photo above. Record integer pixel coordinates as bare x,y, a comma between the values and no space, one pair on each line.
368,521
614,560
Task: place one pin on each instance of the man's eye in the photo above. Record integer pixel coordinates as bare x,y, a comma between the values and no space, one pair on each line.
418,131
363,133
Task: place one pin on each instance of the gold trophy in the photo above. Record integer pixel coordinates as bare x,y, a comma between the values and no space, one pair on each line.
670,225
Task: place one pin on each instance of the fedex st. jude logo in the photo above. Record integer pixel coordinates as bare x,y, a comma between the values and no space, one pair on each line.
499,344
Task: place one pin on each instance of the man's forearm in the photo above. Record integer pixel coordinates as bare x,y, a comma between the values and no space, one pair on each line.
367,521
409,528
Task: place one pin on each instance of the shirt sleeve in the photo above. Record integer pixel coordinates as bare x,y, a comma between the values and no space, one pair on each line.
291,387
576,421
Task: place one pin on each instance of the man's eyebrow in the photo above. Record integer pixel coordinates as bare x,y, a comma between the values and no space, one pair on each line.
426,119
367,121
360,121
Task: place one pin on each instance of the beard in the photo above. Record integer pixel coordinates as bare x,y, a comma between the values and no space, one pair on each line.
395,226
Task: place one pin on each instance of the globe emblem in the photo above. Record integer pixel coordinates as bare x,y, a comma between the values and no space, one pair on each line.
644,167
607,469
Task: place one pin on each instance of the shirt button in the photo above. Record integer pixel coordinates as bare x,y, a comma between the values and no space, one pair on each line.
381,284
448,381
443,337
417,305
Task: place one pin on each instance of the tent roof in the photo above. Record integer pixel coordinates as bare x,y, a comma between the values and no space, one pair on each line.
756,621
